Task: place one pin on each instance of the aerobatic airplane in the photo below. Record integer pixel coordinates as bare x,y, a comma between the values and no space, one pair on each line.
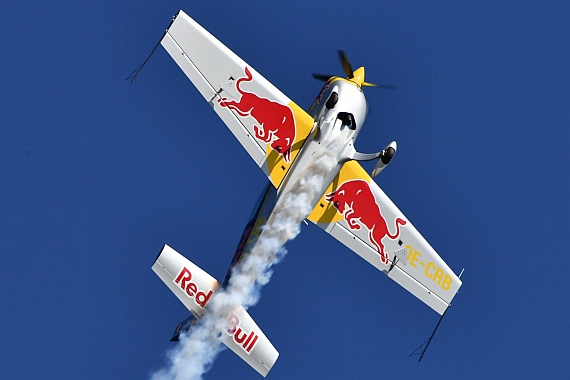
283,140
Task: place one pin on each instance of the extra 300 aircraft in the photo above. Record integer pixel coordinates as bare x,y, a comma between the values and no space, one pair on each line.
283,140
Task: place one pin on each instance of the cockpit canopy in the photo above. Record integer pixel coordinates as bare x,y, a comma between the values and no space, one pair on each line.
343,98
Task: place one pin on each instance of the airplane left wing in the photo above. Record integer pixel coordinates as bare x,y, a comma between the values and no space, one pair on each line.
360,215
266,122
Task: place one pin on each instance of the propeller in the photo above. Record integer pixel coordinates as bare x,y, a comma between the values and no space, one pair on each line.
350,74
322,77
345,64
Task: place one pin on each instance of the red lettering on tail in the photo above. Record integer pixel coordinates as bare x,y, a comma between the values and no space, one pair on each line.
249,340
183,280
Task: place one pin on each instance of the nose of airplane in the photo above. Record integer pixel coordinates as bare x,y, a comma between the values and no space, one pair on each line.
358,76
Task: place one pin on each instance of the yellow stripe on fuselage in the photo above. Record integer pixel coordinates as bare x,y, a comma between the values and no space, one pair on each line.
325,212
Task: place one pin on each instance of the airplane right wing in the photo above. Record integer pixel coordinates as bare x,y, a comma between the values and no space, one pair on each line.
361,216
266,122
194,288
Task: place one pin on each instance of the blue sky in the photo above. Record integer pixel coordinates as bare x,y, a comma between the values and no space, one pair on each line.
97,174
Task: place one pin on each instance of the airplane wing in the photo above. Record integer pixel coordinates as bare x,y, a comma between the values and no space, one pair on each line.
194,287
361,216
266,122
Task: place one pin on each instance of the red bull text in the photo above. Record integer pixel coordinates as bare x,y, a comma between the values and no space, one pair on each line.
191,288
275,121
249,340
355,201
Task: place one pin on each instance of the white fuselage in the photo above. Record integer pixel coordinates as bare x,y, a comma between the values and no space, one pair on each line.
331,142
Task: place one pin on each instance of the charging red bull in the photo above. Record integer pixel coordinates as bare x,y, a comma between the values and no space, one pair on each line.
275,121
355,201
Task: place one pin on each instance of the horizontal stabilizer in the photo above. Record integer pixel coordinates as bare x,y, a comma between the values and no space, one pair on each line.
189,283
194,288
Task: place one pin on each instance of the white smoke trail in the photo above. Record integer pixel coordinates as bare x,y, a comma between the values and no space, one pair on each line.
197,351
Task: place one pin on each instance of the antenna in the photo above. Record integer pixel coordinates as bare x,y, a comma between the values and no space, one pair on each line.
421,350
137,71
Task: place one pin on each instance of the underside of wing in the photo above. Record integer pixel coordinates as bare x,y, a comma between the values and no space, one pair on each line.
360,215
266,122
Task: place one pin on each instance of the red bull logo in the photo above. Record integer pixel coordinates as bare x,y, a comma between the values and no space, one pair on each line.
242,338
191,288
275,121
356,202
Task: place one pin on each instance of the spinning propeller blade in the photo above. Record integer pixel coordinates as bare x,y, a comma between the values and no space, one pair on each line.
350,74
